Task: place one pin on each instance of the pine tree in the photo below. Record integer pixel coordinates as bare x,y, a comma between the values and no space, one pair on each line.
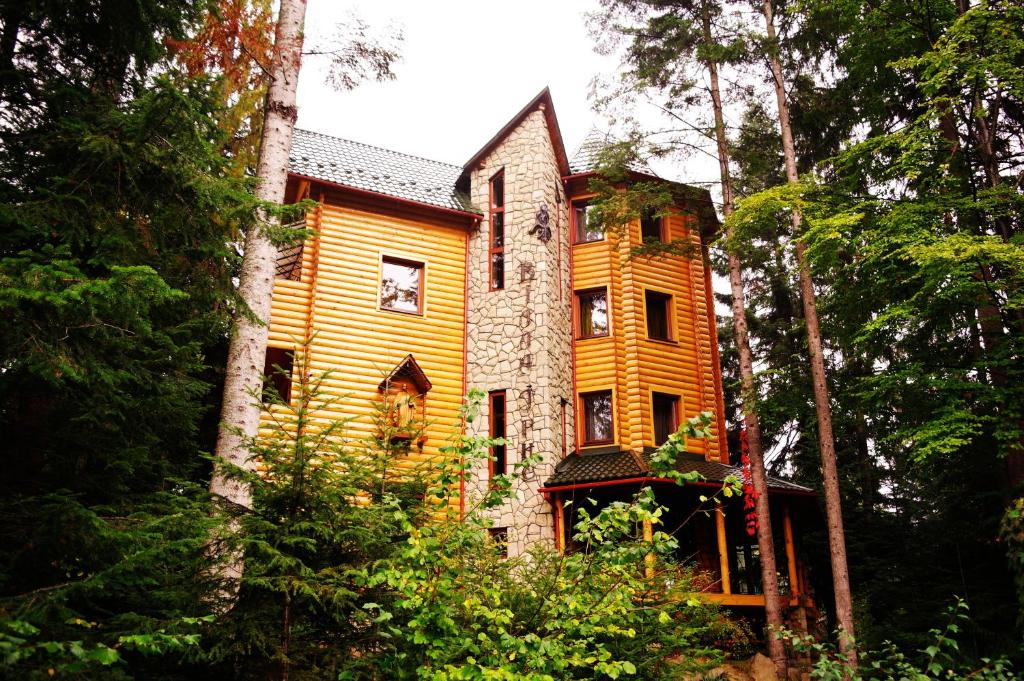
826,439
115,276
662,38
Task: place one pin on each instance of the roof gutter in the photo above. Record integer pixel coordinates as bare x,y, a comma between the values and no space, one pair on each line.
474,218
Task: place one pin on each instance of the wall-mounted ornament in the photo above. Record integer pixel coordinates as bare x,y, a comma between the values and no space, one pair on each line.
543,227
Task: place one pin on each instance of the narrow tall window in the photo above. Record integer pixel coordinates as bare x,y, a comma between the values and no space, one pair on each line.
585,232
597,418
401,285
497,245
499,463
658,307
651,226
592,313
277,369
665,410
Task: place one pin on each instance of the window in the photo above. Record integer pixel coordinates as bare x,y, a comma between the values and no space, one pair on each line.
497,246
585,233
597,418
499,535
665,411
401,285
277,369
651,226
658,307
499,462
592,313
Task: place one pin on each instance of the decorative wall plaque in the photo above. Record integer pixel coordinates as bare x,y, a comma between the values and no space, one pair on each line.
542,229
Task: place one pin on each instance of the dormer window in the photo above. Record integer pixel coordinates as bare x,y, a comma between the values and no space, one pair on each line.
496,252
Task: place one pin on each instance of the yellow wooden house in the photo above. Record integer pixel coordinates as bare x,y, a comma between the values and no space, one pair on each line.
429,279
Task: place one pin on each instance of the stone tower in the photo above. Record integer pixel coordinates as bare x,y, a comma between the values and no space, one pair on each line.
519,320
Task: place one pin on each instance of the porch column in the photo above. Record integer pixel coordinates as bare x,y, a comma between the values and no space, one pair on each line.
723,550
787,530
559,522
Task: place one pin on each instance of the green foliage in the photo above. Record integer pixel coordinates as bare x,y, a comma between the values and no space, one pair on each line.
324,511
90,591
912,223
117,215
115,281
623,195
941,659
1012,532
357,563
78,659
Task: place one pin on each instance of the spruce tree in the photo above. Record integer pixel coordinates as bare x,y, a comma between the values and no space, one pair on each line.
118,210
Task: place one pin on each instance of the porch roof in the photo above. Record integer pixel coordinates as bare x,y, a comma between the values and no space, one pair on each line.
609,464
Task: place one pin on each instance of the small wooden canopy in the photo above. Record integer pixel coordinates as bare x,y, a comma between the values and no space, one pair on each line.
408,370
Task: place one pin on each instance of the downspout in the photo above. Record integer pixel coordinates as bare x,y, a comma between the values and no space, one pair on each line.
465,357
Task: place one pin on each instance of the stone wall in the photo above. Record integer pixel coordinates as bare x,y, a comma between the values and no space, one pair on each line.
520,336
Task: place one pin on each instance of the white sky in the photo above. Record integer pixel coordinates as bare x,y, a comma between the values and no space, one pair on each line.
467,67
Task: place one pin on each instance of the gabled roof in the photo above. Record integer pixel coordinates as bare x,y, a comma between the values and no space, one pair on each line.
410,370
380,171
542,100
609,464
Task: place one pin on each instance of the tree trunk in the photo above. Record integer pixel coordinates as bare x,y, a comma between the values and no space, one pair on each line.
765,540
826,440
240,414
11,17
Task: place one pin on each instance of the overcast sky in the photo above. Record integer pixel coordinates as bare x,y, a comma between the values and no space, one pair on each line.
467,67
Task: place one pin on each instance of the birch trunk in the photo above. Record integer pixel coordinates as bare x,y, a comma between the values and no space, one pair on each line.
240,413
765,540
826,440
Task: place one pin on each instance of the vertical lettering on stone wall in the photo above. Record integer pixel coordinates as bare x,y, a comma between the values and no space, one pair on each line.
526,318
528,474
527,271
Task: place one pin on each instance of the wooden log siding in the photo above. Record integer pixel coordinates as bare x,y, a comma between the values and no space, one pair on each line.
629,363
336,303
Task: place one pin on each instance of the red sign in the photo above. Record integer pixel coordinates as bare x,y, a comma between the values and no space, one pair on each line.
749,493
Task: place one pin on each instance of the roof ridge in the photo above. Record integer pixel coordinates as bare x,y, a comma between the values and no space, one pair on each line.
384,149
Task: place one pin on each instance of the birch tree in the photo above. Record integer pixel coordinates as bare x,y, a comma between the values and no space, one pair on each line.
355,54
240,413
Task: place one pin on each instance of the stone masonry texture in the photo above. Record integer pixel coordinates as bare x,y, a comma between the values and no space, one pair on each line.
519,337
